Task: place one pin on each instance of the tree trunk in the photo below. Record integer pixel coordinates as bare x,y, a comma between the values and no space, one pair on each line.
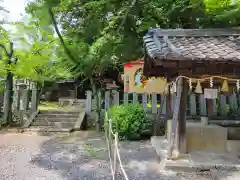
8,99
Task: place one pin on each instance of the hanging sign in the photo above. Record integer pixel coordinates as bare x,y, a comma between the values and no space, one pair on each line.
210,93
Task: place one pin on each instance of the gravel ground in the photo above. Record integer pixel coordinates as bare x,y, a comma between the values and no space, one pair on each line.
81,156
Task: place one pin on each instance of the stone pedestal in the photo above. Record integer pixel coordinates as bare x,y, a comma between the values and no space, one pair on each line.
200,137
211,138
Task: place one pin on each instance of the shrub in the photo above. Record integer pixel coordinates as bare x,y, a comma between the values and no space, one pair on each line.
130,121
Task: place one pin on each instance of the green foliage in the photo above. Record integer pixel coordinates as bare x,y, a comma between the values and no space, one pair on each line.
104,34
36,53
1,86
130,121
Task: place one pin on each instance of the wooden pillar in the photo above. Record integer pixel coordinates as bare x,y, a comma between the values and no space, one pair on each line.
135,98
154,103
182,119
210,108
169,108
145,101
179,119
168,112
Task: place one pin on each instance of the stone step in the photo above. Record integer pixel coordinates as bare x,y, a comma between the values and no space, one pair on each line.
55,119
53,124
80,105
58,112
58,115
47,129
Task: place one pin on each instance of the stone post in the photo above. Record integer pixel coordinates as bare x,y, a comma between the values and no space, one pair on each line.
34,100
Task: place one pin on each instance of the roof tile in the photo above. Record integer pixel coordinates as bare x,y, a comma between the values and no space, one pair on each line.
195,44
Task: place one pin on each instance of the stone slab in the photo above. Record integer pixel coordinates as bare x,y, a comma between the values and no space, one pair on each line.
196,160
233,146
211,138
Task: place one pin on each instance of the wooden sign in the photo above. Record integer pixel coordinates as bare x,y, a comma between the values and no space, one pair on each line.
211,93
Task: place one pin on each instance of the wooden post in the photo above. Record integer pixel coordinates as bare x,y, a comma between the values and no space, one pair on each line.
214,107
179,119
144,101
169,106
173,100
182,119
210,108
135,98
233,101
164,105
223,102
203,106
168,112
193,108
154,103
125,99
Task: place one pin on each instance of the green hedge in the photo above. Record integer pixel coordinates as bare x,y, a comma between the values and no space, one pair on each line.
130,121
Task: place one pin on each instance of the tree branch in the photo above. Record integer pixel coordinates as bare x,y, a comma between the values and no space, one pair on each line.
67,51
4,49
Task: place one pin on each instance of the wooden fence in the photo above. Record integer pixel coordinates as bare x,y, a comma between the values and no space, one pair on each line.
224,106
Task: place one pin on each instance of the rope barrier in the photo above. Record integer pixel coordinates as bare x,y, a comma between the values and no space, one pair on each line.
119,158
113,160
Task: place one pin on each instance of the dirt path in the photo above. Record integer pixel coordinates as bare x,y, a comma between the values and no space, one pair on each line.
81,156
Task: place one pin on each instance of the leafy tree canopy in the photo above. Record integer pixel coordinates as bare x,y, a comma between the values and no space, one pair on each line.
105,33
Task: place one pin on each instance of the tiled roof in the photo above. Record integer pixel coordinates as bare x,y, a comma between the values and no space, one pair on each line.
193,44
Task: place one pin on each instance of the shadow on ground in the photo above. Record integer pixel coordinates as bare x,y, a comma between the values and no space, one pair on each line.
84,156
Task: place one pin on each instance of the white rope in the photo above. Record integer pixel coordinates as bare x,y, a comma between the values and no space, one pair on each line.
110,126
110,158
119,159
109,153
113,162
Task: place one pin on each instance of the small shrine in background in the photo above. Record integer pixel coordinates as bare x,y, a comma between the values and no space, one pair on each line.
202,61
136,82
